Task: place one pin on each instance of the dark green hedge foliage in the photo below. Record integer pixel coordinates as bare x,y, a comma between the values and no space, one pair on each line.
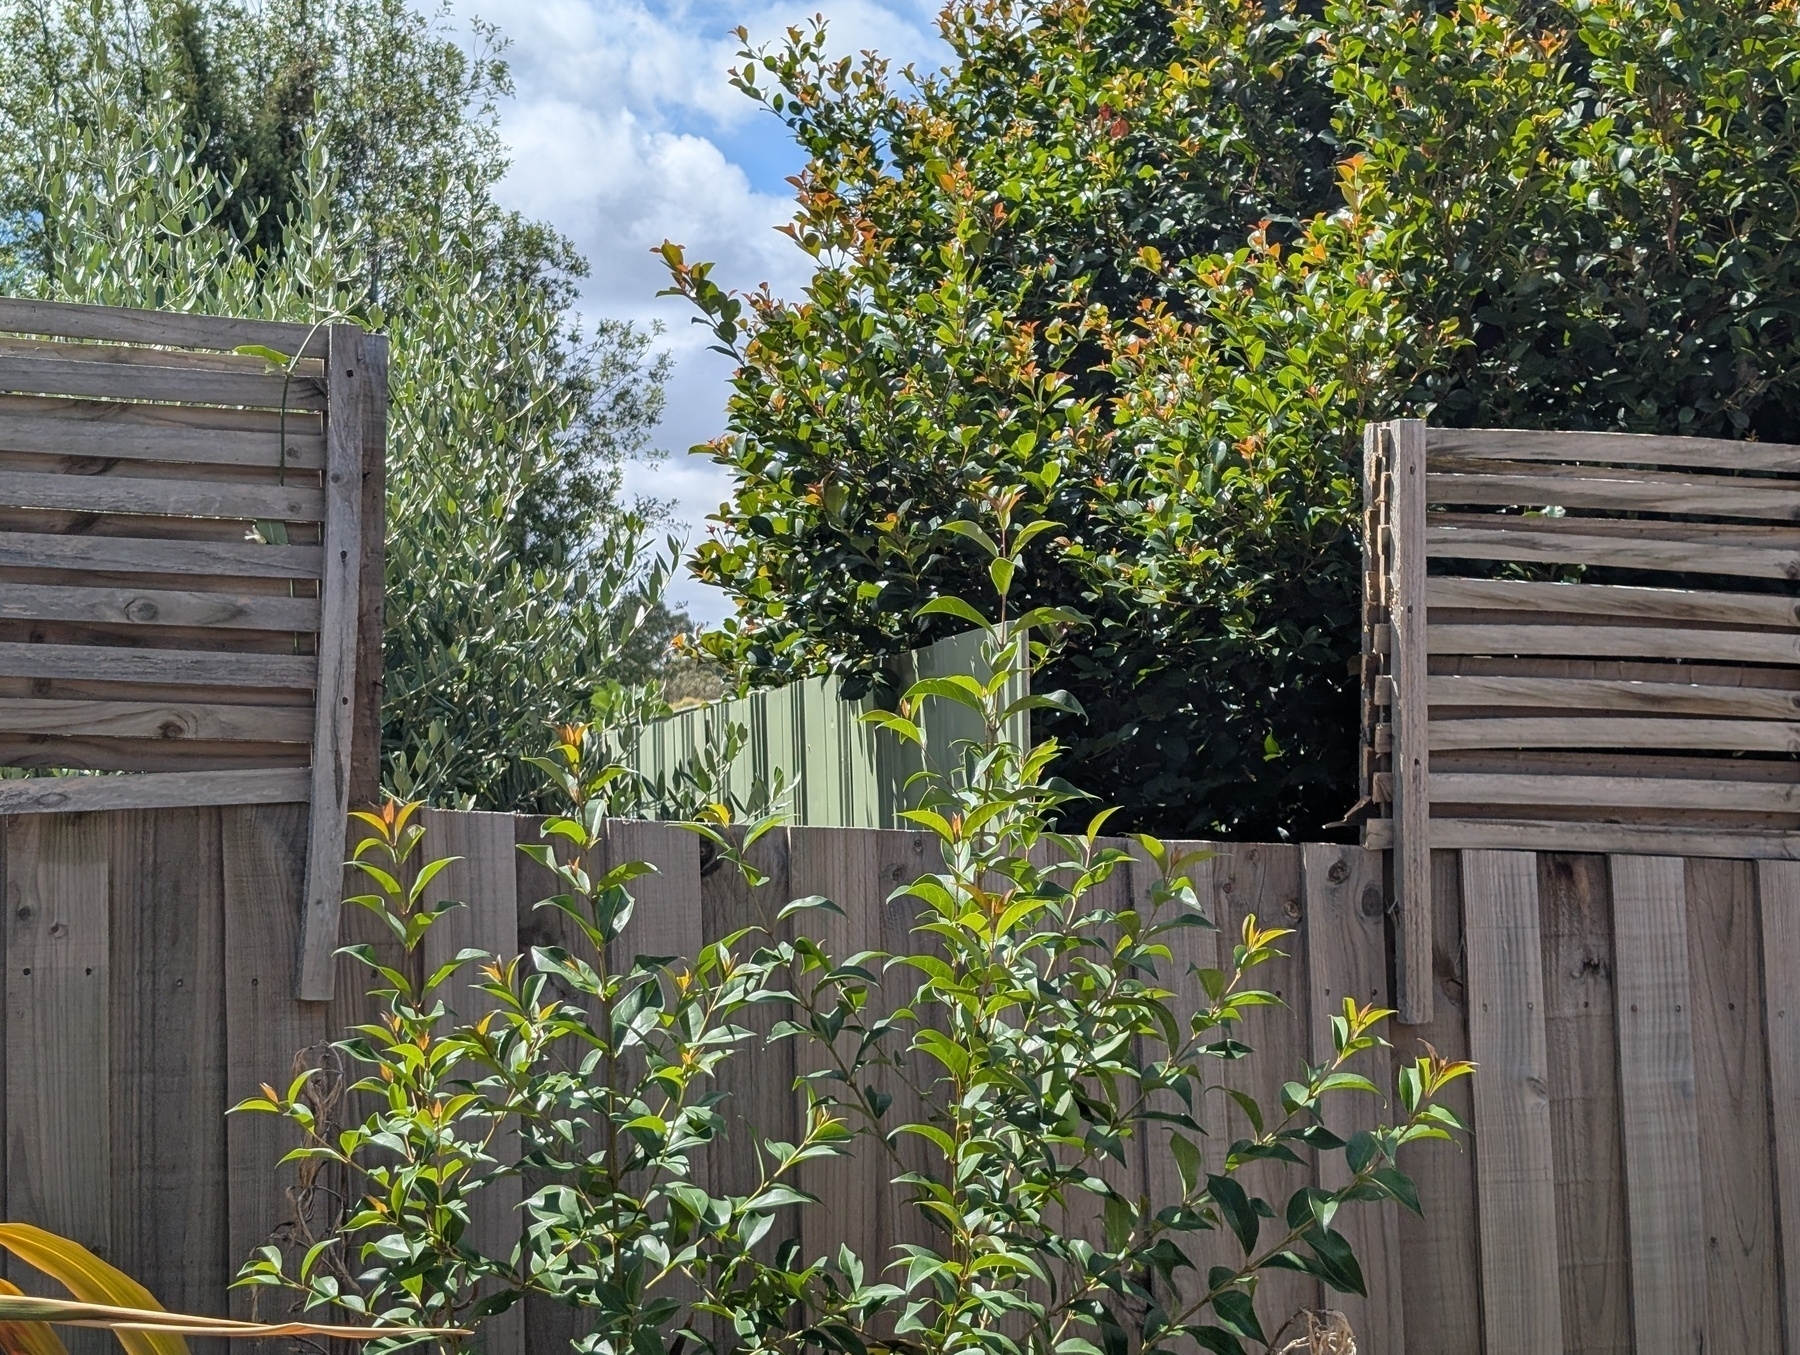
1157,263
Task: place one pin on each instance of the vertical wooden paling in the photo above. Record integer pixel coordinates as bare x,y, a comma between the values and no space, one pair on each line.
1656,1095
1515,1157
59,1148
365,740
902,858
269,1037
485,882
1438,1250
1264,879
1778,899
1191,949
841,864
334,697
1346,928
1737,1186
168,1056
1579,1029
1374,599
1411,723
759,1077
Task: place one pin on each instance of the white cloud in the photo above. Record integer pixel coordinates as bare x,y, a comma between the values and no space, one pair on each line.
622,135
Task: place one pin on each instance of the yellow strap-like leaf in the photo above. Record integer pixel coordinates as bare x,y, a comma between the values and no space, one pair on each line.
91,1280
27,1338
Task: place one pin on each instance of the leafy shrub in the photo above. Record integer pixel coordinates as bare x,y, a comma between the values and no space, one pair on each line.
1029,1020
1158,262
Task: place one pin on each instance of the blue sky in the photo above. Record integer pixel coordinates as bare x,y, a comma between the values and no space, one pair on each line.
624,132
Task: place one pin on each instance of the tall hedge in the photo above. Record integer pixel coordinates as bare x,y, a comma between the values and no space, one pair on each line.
1156,263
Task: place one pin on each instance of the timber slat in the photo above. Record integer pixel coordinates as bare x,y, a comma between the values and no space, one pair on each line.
1521,1294
175,666
1481,788
339,592
1346,907
144,555
152,433
1659,698
1555,835
1508,444
1624,491
72,375
1410,722
1581,731
1663,604
120,324
58,1034
156,720
184,498
1660,642
1657,1100
157,607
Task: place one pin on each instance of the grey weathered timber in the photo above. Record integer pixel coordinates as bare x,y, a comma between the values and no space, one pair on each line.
145,555
119,324
192,498
1521,1292
1639,449
484,880
347,380
58,1036
1596,791
269,1037
149,433
365,740
156,720
1601,694
1778,902
1657,1110
1346,926
113,606
189,921
1644,492
1580,1019
1658,642
1581,731
1412,724
1574,542
165,666
1614,600
119,381
84,794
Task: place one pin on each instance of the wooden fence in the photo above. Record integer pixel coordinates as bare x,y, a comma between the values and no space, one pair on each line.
1634,1169
190,568
1575,642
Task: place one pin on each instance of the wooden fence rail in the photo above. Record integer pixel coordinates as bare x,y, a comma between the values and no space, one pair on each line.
1634,1169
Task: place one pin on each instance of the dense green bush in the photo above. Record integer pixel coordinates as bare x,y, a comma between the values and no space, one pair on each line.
1158,262
1024,1053
296,160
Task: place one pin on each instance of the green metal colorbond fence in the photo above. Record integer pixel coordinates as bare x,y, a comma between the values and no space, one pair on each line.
844,773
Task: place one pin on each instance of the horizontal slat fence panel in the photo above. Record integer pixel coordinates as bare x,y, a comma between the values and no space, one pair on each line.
1537,646
173,549
155,433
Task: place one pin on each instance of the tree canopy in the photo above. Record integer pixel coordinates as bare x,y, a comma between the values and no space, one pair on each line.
1156,263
